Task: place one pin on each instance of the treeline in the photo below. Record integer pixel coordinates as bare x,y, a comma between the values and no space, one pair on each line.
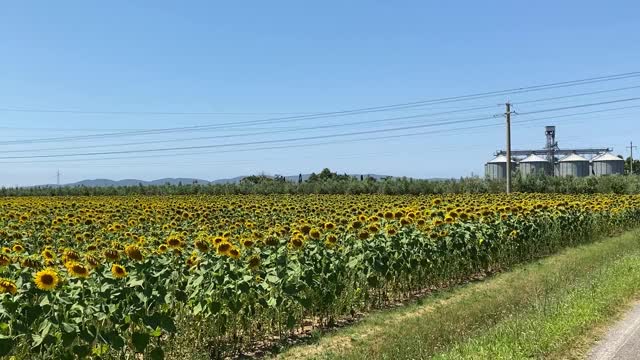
348,185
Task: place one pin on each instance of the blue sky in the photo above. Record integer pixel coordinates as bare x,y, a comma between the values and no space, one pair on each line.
260,60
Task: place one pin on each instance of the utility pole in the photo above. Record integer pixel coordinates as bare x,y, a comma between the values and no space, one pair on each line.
508,115
631,148
58,177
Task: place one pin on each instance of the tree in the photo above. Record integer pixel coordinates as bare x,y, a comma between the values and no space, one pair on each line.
636,166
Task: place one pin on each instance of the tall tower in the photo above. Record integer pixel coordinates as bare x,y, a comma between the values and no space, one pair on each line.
551,146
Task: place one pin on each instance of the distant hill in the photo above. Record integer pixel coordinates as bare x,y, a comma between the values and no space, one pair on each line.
133,182
187,181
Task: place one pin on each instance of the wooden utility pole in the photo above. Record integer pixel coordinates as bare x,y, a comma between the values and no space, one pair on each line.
631,164
508,114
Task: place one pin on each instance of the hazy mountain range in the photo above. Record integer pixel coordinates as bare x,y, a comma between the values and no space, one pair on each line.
183,181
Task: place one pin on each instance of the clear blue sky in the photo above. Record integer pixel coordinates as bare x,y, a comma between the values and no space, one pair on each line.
302,57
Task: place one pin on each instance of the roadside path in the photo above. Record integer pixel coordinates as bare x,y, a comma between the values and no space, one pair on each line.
622,342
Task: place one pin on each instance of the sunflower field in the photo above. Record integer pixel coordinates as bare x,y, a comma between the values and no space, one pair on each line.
148,277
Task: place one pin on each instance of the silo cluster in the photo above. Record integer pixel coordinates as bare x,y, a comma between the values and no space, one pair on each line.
554,161
571,165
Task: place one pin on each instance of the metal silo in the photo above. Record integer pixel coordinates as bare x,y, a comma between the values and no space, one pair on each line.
497,168
607,164
534,164
573,165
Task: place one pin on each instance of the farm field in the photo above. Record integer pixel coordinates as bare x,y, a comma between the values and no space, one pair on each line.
173,276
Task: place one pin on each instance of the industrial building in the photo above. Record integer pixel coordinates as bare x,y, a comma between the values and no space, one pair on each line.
553,161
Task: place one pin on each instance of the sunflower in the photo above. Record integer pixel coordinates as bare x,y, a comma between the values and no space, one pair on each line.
112,254
193,260
31,263
133,252
4,260
78,270
305,229
234,253
46,279
296,242
271,241
118,271
254,262
17,248
329,226
330,241
162,248
70,255
223,248
8,286
174,242
92,260
314,233
363,235
217,240
248,243
202,245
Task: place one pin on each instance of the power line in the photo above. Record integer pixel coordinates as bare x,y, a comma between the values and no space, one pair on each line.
183,113
580,106
386,137
576,95
329,126
301,138
129,129
104,112
250,143
345,112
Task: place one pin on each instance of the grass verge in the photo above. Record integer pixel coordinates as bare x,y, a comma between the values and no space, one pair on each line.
544,309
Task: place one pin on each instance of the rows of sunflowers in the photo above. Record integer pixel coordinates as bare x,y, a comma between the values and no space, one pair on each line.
131,277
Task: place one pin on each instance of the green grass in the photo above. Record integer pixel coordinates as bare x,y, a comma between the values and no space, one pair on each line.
544,309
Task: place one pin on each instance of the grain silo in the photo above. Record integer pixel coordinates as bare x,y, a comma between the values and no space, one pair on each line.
607,164
497,168
573,165
534,164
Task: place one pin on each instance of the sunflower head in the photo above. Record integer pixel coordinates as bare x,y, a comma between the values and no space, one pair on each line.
4,259
254,262
296,242
133,252
234,253
31,263
314,233
7,286
46,279
202,245
223,248
248,243
111,254
118,271
77,269
174,242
